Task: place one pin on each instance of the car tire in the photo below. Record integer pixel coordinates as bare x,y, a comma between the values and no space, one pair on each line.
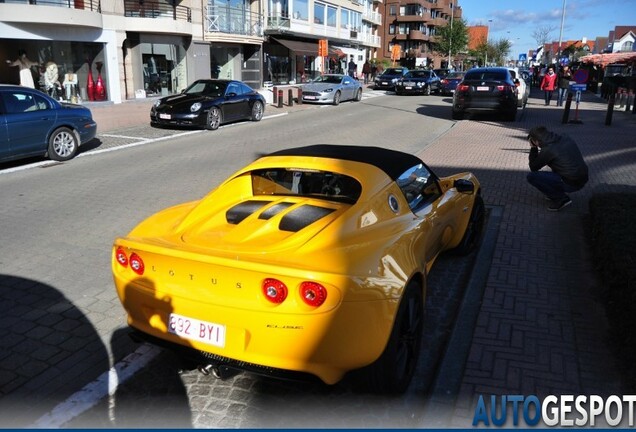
336,98
397,92
474,229
63,145
257,111
213,119
358,95
392,372
427,90
458,115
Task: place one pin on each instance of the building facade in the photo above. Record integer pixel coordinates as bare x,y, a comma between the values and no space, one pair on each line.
114,50
412,24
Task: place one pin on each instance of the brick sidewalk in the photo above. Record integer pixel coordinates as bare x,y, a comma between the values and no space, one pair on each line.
541,328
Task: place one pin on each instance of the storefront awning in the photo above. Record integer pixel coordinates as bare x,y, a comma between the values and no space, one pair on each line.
299,47
605,59
307,48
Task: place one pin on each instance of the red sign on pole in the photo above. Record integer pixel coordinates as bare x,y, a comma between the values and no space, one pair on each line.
323,48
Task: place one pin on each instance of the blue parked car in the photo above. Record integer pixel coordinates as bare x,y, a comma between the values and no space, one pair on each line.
387,79
449,83
34,124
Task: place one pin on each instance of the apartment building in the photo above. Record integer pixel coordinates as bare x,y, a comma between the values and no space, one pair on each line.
412,25
294,28
113,50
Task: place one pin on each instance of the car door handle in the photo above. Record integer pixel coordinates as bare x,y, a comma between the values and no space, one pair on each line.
44,118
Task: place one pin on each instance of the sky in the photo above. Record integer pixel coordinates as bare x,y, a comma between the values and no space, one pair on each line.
516,20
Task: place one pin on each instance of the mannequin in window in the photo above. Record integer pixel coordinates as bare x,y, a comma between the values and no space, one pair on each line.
23,62
51,79
70,84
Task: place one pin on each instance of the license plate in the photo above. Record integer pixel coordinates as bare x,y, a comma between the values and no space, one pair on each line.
309,97
408,88
193,329
385,83
165,116
483,88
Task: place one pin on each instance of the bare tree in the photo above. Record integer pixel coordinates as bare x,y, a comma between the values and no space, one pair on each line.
542,34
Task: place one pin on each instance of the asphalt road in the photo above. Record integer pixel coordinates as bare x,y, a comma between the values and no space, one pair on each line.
58,222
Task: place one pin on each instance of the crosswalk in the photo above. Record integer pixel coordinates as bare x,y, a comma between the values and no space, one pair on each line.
370,93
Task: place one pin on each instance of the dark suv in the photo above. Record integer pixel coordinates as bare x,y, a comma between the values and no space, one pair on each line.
387,79
486,89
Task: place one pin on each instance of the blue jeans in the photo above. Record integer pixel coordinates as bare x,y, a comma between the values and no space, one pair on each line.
547,94
562,95
551,185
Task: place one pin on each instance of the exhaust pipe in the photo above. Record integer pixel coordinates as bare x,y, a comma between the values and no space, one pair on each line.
209,369
217,371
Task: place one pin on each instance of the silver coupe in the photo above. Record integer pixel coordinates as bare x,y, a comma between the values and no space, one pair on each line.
332,88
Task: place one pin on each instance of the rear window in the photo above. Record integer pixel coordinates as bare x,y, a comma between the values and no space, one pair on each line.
306,183
486,75
393,71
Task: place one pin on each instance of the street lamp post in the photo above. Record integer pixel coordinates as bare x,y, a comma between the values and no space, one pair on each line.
560,36
487,34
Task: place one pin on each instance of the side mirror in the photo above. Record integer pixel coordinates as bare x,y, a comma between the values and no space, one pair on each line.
464,186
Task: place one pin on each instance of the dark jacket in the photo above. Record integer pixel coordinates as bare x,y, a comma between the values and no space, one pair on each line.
562,155
564,78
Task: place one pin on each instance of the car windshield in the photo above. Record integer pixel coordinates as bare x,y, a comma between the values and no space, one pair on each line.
418,74
455,75
330,79
207,88
486,76
307,183
393,71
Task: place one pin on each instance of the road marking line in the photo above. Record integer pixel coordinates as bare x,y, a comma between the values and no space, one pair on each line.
92,393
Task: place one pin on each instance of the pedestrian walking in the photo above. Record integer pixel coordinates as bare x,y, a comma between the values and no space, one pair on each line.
374,70
366,71
548,85
352,67
564,78
561,154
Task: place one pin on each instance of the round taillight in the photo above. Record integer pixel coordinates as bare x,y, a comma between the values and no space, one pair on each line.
120,256
313,293
137,264
274,290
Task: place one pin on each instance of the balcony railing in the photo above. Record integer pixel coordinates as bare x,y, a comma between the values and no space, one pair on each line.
224,19
91,5
278,22
156,9
373,17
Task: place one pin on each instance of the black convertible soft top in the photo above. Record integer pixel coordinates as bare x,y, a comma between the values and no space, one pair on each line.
392,162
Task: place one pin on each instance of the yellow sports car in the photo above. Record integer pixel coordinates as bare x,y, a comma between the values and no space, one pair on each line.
309,262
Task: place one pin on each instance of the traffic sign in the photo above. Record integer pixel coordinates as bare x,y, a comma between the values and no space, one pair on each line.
578,87
580,76
523,57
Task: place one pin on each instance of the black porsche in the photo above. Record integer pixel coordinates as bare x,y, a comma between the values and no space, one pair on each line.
209,103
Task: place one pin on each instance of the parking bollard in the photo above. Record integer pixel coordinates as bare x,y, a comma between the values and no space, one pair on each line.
290,97
566,111
300,96
610,110
280,99
275,96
